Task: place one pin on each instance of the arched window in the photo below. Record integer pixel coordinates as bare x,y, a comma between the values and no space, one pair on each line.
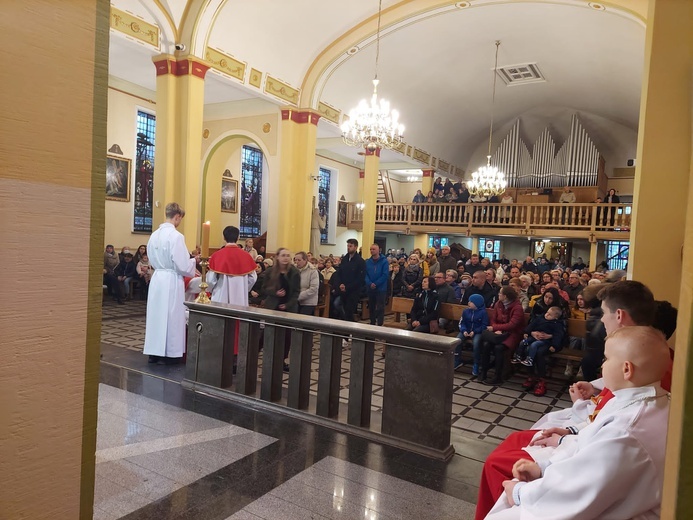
251,192
324,201
144,172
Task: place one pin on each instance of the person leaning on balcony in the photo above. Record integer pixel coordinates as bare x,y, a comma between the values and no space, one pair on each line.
464,194
419,197
430,197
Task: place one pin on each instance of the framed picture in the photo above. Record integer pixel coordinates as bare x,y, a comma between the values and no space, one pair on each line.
342,213
229,195
118,178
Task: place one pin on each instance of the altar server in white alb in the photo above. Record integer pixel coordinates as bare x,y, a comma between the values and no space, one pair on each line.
614,467
231,273
165,334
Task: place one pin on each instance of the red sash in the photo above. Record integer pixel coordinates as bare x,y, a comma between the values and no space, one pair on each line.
600,400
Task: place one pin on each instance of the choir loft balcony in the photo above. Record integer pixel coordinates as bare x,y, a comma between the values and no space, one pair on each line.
592,221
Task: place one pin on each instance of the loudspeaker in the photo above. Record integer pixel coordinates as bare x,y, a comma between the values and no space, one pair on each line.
631,162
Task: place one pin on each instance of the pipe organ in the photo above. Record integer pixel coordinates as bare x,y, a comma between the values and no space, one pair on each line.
577,162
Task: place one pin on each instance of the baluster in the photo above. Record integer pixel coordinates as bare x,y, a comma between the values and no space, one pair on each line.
248,348
329,374
300,358
272,363
360,382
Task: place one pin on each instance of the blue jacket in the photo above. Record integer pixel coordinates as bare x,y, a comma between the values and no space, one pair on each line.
474,320
377,273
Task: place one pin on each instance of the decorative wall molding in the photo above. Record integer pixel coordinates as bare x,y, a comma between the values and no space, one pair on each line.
328,112
134,27
255,78
281,90
421,156
226,64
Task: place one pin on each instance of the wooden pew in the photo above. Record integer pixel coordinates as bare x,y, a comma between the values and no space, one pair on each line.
400,307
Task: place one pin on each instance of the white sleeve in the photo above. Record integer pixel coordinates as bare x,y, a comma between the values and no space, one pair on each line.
181,258
211,278
612,470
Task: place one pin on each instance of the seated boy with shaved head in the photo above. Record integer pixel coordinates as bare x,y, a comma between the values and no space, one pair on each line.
613,468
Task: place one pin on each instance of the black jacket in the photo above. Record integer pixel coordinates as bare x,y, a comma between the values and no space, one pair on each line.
352,272
425,307
487,292
126,269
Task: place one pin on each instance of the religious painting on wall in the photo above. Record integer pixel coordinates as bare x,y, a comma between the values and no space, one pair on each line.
118,179
342,213
229,195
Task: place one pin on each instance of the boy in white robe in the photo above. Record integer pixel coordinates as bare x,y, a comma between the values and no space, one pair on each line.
165,331
613,468
231,273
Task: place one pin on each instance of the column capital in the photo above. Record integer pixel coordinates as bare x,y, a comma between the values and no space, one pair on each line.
185,66
375,152
428,172
300,116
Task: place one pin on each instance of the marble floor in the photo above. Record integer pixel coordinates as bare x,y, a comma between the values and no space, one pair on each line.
164,452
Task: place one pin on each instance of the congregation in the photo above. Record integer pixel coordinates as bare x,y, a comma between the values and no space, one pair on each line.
510,306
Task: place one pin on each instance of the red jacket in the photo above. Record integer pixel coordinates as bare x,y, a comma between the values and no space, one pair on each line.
510,320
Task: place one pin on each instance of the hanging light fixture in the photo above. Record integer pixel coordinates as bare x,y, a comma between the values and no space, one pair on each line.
373,126
488,180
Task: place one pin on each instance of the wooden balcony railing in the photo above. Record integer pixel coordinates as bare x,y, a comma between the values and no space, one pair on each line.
592,218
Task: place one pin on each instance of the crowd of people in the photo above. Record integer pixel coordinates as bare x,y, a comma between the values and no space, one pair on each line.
457,192
602,458
123,271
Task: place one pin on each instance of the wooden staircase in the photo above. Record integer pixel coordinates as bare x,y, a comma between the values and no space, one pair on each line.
384,187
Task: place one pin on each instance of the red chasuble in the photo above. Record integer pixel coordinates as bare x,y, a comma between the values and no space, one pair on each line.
232,260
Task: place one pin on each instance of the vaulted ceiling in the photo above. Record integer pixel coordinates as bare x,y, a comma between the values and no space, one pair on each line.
436,60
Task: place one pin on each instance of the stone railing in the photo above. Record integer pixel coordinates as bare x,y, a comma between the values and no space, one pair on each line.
593,218
418,377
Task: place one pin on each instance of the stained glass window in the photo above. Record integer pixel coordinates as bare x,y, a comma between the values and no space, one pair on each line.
144,172
251,192
324,201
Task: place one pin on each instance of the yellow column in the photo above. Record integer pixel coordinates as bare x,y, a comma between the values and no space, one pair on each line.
427,181
661,228
592,264
421,241
177,166
299,138
664,148
370,198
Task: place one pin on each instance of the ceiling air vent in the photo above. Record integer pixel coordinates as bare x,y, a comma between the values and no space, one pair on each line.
520,74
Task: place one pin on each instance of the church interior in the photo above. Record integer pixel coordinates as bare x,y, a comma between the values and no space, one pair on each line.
239,111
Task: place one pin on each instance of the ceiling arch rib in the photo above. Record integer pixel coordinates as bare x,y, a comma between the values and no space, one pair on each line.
408,12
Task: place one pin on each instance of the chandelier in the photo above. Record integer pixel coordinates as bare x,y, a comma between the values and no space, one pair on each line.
489,181
373,126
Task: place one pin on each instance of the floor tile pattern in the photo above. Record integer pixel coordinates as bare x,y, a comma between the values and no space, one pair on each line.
147,449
